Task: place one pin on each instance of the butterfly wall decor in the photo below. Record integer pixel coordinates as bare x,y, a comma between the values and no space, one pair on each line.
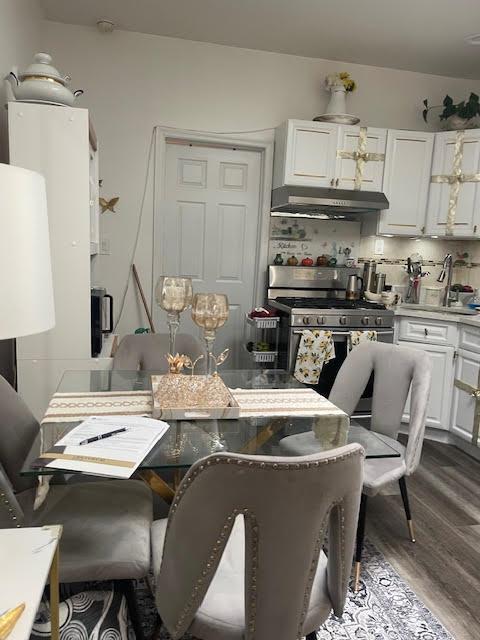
108,205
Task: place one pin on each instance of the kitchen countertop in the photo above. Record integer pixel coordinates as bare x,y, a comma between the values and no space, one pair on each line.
473,321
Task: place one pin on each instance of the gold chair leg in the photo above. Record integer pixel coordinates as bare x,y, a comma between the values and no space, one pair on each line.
356,579
411,530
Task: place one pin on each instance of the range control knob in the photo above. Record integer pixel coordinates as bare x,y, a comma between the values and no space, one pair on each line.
321,319
378,321
306,320
365,320
343,319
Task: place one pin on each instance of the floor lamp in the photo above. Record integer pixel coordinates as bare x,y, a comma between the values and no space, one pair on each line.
26,291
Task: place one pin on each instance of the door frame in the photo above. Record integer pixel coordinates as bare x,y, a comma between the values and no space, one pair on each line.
163,135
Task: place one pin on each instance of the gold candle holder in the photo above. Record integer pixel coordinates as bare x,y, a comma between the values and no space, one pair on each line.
173,295
210,312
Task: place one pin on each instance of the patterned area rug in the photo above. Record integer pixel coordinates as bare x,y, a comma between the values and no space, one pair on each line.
384,608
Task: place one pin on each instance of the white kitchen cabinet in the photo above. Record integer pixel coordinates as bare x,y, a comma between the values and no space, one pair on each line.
439,406
463,413
305,154
372,178
406,181
470,338
467,218
413,329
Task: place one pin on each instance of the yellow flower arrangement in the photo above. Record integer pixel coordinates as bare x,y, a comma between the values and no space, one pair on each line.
335,79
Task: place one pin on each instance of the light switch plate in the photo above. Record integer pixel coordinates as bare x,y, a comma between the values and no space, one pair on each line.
379,247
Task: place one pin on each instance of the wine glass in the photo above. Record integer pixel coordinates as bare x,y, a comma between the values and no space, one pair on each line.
210,312
173,295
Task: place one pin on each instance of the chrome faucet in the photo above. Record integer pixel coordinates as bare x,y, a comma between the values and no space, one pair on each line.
447,271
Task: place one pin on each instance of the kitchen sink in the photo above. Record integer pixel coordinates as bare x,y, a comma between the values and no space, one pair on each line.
463,311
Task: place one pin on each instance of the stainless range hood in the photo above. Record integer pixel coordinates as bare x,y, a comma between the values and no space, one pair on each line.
324,203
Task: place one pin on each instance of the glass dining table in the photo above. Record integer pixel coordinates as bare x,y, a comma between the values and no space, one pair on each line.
187,441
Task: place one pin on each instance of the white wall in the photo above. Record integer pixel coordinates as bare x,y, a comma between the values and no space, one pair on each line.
135,81
20,26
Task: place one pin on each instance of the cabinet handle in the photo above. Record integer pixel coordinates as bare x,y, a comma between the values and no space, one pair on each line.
425,331
332,182
475,229
337,181
423,230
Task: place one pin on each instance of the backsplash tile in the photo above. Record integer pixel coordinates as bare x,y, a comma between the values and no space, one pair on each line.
311,238
433,251
305,238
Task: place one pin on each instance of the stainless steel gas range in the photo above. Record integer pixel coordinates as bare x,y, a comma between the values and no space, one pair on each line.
314,298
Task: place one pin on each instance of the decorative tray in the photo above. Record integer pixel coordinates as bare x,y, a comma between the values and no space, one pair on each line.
338,118
197,397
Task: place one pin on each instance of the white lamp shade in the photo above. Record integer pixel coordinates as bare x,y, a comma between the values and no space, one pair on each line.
26,291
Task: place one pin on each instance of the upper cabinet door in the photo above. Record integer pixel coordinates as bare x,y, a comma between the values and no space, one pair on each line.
305,154
467,216
372,177
408,161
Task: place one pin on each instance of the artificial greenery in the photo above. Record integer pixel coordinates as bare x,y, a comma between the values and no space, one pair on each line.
465,109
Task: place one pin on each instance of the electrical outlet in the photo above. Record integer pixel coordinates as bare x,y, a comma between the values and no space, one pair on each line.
379,247
105,247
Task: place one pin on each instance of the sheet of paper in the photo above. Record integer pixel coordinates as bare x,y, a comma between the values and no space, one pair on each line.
117,456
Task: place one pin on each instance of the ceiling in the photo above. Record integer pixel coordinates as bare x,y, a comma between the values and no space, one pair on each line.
418,35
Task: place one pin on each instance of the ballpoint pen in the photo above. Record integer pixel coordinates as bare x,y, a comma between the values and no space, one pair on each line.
102,436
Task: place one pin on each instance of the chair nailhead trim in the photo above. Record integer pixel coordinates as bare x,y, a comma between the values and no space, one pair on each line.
10,510
198,593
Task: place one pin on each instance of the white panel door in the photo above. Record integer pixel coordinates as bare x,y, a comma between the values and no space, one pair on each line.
439,406
408,161
467,370
311,151
210,217
467,218
373,171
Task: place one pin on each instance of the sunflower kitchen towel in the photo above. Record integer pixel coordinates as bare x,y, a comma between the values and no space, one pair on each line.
358,337
315,349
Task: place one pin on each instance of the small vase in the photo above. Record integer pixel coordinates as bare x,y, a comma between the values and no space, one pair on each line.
278,259
456,123
337,104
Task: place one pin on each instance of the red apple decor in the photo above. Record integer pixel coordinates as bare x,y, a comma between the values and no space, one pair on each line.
307,262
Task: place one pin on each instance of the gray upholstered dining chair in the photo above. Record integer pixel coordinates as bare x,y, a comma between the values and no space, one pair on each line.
147,351
240,555
106,524
397,371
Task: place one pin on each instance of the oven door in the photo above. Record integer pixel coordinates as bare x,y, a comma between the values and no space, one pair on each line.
330,369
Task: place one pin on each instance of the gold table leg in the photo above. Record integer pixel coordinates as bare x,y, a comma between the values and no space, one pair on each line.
54,597
158,485
263,436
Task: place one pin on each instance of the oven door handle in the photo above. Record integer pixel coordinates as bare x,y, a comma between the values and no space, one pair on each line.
343,333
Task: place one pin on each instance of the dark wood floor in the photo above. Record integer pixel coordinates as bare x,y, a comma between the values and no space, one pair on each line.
443,566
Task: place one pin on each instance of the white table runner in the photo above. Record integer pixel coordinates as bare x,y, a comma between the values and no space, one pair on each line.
74,407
